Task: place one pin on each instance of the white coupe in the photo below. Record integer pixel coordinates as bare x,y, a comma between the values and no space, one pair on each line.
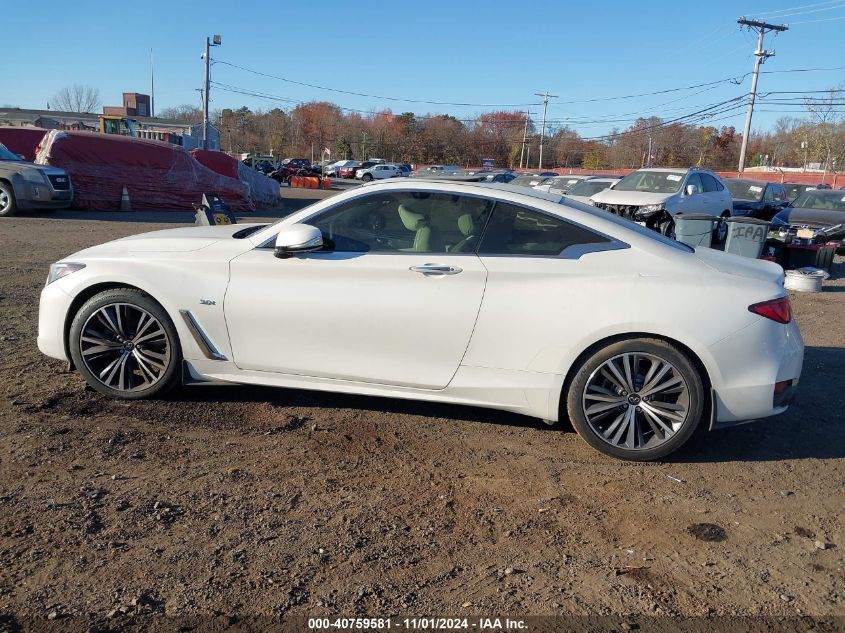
480,294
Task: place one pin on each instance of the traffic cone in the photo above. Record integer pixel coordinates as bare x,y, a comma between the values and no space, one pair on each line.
125,205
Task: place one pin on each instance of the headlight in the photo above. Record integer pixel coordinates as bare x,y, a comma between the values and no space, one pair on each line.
62,269
648,209
591,203
35,176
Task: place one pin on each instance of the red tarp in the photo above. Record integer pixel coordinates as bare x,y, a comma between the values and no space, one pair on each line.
22,140
156,174
217,161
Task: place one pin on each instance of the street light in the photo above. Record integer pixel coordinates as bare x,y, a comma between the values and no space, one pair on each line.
209,42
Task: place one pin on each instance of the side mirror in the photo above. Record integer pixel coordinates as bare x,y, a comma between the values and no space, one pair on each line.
298,238
690,190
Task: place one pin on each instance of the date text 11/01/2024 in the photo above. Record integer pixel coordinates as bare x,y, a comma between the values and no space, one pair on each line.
417,624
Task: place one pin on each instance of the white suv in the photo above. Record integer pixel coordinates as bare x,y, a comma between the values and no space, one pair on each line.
377,172
652,197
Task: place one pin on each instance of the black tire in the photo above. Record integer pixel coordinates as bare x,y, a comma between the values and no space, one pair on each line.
367,177
8,204
134,301
694,394
720,231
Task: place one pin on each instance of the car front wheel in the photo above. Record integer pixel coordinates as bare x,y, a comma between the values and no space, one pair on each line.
367,177
638,399
125,345
8,206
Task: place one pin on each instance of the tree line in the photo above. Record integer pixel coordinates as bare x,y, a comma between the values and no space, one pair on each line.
817,135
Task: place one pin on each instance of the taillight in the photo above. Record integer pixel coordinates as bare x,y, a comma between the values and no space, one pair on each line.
777,309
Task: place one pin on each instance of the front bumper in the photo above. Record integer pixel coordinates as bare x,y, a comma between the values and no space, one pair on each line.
31,195
752,361
52,310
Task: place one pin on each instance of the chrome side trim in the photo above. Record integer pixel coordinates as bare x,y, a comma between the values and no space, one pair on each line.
205,344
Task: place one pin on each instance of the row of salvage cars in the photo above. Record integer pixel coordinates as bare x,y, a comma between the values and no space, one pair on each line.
652,197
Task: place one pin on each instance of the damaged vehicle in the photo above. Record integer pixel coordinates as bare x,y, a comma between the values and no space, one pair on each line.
756,198
25,185
822,210
652,197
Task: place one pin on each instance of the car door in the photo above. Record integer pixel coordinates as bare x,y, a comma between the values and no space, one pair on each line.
392,299
698,202
544,274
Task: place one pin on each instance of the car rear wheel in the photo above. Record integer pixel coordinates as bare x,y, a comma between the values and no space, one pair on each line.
638,399
125,345
8,204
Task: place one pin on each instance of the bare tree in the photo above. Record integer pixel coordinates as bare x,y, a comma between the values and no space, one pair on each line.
186,113
77,98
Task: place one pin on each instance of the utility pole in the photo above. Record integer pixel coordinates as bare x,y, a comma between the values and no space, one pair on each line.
209,42
152,88
524,137
760,56
363,146
545,96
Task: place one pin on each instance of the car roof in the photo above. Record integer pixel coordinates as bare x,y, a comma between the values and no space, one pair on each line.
471,187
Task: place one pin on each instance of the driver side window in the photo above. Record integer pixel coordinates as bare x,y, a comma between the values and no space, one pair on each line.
404,222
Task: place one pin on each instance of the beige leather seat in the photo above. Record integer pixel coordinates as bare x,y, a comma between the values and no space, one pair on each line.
467,226
417,223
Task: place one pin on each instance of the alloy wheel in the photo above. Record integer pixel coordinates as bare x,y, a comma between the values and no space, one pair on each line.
636,401
5,201
125,347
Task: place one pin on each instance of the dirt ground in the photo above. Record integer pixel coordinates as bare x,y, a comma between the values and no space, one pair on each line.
237,501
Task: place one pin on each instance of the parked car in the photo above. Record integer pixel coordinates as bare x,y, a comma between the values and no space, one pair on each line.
290,167
582,191
560,184
349,170
532,180
25,185
816,209
652,197
437,169
502,176
354,289
378,172
795,189
756,198
405,168
331,168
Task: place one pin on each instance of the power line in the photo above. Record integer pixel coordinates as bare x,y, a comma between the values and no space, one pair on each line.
372,96
824,20
839,5
806,6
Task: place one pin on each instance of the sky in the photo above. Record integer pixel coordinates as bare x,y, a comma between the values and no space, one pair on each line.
491,55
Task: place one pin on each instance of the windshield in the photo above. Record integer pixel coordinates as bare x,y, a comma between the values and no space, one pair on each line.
5,154
793,191
751,190
527,181
651,182
588,188
822,200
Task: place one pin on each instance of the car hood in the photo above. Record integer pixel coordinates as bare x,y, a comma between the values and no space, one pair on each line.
731,264
639,198
816,218
182,240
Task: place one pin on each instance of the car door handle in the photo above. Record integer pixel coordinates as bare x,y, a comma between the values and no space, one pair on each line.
436,269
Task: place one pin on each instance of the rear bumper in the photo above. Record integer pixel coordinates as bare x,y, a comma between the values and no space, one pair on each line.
752,361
